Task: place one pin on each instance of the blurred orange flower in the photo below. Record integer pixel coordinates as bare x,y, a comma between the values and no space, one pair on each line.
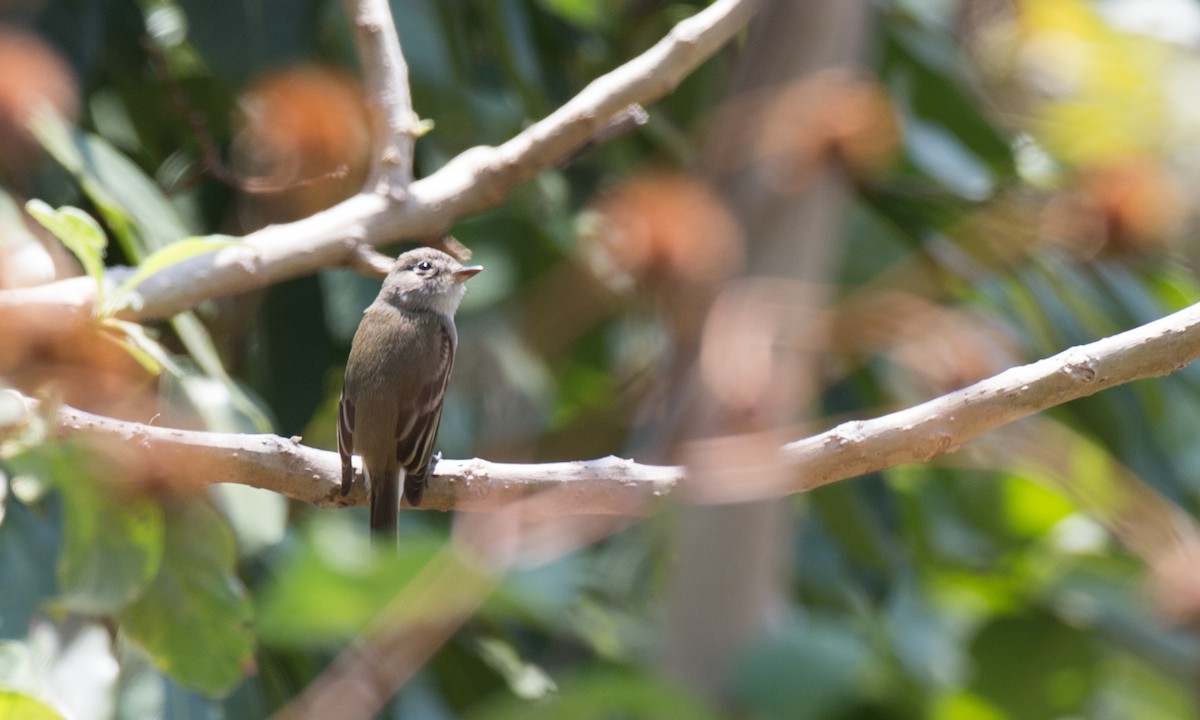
35,74
303,142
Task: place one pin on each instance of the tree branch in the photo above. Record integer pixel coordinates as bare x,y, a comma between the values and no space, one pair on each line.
944,424
385,74
612,485
477,179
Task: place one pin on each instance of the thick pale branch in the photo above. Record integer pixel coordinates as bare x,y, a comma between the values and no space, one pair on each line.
616,486
183,458
475,180
385,74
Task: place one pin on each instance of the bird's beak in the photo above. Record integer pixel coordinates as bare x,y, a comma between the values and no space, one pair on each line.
464,274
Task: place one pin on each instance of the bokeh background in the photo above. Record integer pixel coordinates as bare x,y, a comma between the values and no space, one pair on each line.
1015,177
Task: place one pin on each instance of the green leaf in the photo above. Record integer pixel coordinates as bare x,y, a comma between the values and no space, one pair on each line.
142,220
1053,682
29,544
604,693
19,706
112,541
112,546
1032,508
140,216
79,233
964,706
192,619
258,517
137,342
196,339
588,14
162,259
335,583
525,679
814,669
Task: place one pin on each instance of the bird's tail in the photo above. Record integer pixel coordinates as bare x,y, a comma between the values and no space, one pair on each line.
385,502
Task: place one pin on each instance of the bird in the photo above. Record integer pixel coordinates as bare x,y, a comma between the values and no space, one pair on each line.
395,382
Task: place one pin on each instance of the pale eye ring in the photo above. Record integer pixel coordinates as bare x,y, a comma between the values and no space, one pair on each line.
424,266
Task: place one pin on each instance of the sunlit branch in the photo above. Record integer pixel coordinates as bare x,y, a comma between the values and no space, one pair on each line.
944,424
479,178
614,486
385,74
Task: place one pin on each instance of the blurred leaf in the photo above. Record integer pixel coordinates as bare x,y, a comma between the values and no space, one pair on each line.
111,545
1175,287
592,14
873,243
463,678
1053,682
331,586
927,76
543,594
1033,508
159,260
224,405
112,542
958,524
965,706
29,548
813,668
140,216
249,415
238,39
429,47
926,641
19,706
145,221
80,234
1104,88
604,693
847,516
258,517
137,342
145,692
1101,595
193,618
526,680
943,157
1139,690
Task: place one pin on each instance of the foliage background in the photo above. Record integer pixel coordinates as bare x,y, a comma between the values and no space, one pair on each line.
1033,194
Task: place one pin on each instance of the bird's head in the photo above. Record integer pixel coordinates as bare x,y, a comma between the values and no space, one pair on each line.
427,279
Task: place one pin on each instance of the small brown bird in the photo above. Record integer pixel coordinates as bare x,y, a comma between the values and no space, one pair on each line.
400,361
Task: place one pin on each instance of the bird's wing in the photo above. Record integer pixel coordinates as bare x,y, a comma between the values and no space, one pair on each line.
345,440
416,431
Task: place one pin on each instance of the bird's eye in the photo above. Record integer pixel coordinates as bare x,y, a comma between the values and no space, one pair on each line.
424,266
